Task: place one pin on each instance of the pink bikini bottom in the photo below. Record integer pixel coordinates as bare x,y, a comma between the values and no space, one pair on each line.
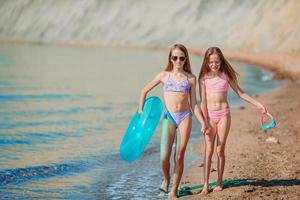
216,115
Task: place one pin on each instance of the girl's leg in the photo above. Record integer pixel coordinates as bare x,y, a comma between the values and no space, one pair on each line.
185,131
222,133
209,150
167,139
177,145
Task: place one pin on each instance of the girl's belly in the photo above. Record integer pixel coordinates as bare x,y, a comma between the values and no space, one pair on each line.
217,101
176,101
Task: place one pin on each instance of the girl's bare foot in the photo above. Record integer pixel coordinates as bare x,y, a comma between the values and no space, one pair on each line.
164,186
172,196
204,190
218,188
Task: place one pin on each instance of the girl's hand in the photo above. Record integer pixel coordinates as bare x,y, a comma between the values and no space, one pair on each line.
140,111
205,129
208,130
263,109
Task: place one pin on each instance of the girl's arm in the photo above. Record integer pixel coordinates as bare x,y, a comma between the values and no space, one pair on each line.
194,105
158,78
245,96
202,94
203,99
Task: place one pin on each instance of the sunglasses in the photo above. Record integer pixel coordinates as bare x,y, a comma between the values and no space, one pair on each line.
181,58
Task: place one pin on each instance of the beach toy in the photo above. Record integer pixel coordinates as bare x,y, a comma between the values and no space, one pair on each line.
141,129
269,126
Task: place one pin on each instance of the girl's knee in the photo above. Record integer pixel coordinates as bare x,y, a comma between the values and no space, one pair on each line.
220,152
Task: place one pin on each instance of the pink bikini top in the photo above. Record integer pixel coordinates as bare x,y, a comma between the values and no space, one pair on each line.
217,84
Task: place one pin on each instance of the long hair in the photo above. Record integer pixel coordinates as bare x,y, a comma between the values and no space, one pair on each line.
225,66
187,65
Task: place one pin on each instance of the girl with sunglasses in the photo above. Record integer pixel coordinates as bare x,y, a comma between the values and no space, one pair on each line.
215,78
179,86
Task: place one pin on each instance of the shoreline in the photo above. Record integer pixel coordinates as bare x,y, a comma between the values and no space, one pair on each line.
264,170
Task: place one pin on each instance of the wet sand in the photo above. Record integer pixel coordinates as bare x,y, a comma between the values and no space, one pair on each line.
265,170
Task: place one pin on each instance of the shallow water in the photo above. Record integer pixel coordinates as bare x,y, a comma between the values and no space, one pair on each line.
63,112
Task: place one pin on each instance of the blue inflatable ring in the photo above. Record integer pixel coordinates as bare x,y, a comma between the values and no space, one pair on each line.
141,129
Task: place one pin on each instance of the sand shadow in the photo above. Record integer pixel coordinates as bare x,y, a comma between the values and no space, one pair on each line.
275,182
188,190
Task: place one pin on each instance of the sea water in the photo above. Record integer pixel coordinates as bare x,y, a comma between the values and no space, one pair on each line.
63,113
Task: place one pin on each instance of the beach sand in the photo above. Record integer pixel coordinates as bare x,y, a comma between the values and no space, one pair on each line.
265,170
